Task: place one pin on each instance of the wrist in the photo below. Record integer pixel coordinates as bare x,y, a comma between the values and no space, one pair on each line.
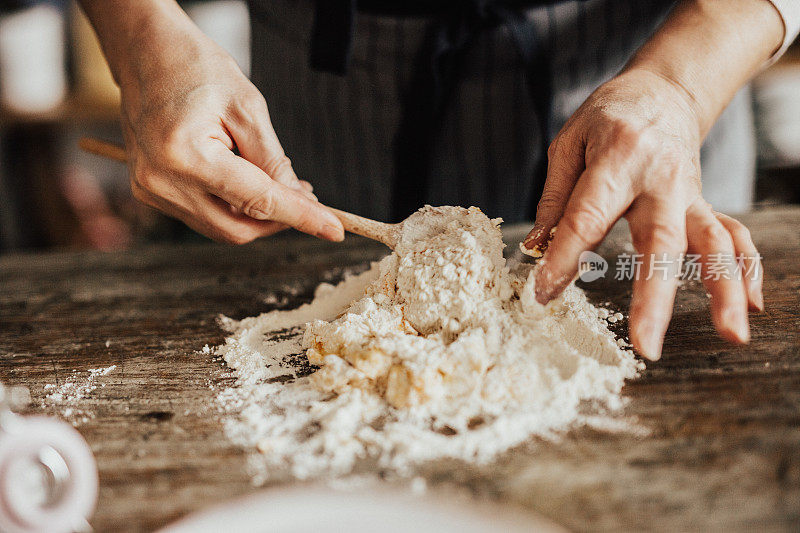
158,45
708,49
138,35
671,95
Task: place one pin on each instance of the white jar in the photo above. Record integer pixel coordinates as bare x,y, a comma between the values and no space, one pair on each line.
33,76
227,22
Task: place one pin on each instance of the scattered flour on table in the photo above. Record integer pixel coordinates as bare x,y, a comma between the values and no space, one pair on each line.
437,351
68,397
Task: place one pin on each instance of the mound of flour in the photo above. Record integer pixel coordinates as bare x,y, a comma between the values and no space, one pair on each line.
437,351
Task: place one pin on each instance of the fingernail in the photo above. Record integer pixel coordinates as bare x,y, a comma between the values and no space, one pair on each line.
543,288
742,326
735,322
543,297
538,240
651,339
534,237
757,297
331,233
329,217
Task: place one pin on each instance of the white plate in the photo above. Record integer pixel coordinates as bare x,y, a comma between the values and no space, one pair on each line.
313,508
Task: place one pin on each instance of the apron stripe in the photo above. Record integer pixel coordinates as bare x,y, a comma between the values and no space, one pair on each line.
487,146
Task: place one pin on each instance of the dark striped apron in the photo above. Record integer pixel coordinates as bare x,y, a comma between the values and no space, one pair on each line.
449,108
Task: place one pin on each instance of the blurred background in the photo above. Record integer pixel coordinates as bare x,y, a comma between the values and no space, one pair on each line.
55,87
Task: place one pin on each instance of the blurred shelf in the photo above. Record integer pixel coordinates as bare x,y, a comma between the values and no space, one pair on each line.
74,110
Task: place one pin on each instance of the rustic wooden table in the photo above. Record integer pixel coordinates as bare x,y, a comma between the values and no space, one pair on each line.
723,450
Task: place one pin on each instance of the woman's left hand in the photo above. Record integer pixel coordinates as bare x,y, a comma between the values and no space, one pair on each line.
633,150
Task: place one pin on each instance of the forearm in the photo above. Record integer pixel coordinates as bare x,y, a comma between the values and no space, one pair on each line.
708,49
133,33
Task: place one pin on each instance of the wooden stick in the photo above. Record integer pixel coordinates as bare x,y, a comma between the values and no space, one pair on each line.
104,149
388,234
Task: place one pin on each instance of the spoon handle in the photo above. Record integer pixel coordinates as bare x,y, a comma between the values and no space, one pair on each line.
104,149
388,234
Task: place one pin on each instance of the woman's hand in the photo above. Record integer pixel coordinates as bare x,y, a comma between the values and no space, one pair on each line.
186,105
633,150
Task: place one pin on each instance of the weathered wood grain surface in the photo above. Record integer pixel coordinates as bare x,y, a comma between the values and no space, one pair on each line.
723,450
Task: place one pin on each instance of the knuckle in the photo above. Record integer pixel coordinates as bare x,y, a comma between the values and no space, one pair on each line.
227,238
587,223
630,139
139,194
142,180
552,149
278,165
238,237
246,237
305,218
662,236
172,144
715,236
260,206
672,182
609,185
173,153
218,182
740,232
550,200
648,141
626,134
251,106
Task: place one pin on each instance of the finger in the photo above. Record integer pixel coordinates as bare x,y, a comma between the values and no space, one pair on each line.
709,238
306,193
247,188
237,228
598,200
658,229
308,190
564,165
750,263
208,215
249,123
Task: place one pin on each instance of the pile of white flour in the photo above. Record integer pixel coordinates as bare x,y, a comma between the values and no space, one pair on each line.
437,351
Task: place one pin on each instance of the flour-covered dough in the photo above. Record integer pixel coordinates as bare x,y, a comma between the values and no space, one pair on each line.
437,351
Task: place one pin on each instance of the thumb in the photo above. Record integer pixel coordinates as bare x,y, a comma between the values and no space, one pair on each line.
247,188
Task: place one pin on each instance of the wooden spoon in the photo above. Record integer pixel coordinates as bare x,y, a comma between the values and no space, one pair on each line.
388,234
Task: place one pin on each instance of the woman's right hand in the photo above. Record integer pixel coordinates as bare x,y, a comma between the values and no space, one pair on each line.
185,106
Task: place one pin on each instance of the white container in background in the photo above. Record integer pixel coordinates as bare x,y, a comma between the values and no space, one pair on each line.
227,22
33,76
777,103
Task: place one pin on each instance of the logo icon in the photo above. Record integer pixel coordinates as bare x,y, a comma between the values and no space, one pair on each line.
591,266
